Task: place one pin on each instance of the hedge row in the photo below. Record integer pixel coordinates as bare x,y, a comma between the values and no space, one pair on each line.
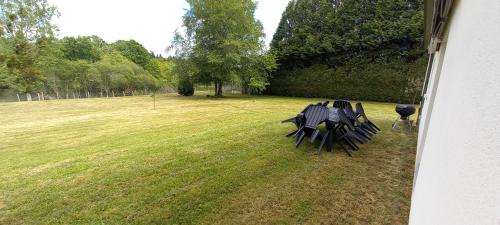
387,80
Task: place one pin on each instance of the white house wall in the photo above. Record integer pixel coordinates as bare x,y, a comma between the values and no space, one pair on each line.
429,102
458,180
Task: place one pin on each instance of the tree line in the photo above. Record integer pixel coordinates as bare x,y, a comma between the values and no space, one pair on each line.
363,49
90,65
32,59
359,49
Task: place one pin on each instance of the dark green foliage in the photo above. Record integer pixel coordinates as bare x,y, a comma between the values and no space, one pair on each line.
82,48
134,51
331,32
185,71
21,73
388,81
185,87
22,24
361,44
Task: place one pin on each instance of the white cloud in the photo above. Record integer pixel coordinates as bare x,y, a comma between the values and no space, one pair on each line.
150,22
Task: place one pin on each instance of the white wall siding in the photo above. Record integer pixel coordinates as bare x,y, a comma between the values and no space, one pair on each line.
458,181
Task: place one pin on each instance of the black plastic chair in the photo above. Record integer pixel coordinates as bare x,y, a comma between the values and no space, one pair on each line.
365,131
314,115
298,120
349,125
341,104
342,132
363,128
360,112
349,112
351,131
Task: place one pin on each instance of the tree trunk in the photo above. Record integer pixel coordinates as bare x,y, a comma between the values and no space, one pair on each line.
18,98
219,94
218,89
245,90
28,97
56,89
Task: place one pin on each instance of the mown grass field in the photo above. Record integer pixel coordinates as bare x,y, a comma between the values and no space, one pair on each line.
192,160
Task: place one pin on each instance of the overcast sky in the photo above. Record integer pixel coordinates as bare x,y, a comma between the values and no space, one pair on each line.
150,22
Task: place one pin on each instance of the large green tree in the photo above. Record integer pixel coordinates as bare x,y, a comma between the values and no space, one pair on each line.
349,48
334,31
83,48
22,24
49,62
134,51
5,52
225,35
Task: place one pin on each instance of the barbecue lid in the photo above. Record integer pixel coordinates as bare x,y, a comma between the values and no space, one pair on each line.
405,110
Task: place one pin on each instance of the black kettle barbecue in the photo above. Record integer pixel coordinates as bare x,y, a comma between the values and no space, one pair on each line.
404,111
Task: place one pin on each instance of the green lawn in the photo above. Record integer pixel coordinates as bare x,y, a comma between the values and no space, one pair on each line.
193,160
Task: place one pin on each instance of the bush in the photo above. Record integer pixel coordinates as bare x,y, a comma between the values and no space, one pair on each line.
388,80
185,87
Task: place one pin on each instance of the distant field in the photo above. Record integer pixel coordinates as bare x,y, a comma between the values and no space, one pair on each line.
192,160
